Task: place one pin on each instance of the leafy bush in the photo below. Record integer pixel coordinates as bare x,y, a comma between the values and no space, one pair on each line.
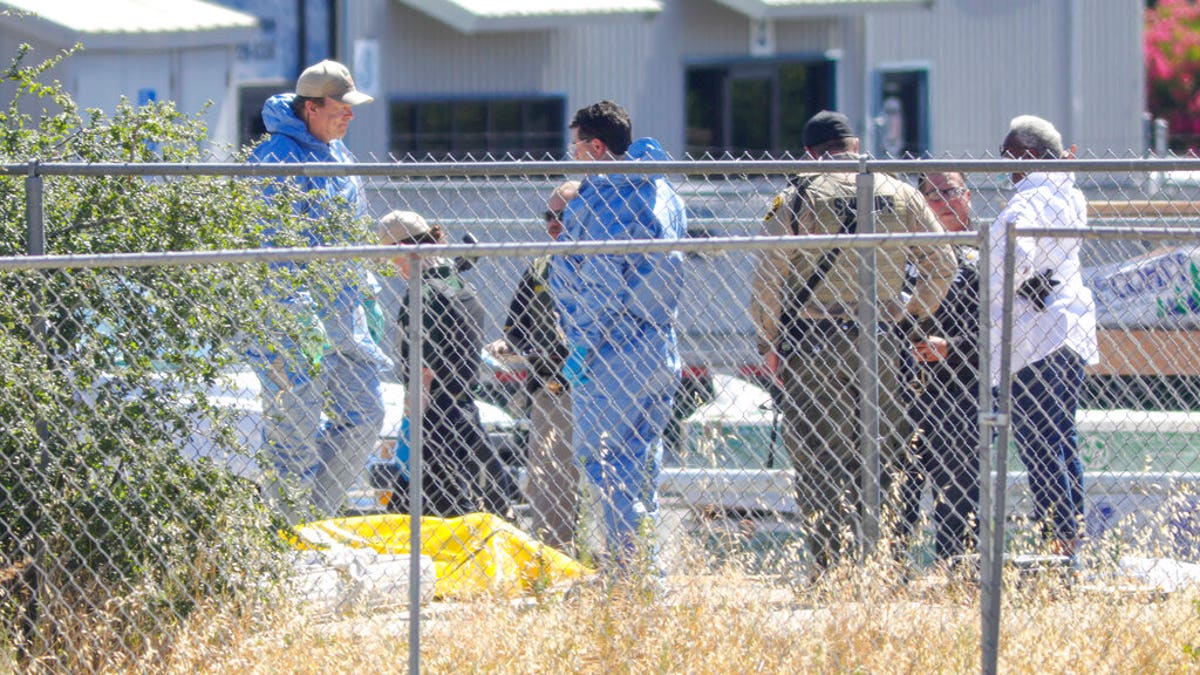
104,371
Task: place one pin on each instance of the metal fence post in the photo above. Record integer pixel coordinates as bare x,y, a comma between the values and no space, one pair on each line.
1157,134
1162,133
989,592
35,241
415,464
35,238
868,369
993,493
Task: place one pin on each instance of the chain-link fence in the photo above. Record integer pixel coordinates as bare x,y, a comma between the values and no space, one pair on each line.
206,465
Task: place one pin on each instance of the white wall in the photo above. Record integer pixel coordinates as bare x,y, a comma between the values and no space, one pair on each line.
423,57
204,75
100,78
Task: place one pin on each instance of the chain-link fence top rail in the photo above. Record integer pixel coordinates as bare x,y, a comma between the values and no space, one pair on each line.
122,421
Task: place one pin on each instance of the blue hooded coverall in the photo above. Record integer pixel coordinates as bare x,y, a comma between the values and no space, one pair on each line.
326,455
619,310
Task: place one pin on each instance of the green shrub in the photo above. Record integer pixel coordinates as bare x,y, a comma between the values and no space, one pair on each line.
104,369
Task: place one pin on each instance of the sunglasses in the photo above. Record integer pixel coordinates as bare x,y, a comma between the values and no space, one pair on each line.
552,216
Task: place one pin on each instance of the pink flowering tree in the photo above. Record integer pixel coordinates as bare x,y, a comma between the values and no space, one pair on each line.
1172,52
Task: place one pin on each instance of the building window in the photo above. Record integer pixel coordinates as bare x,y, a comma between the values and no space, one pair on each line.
902,105
754,109
462,128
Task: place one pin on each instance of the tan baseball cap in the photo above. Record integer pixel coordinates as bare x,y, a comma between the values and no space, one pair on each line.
401,226
330,79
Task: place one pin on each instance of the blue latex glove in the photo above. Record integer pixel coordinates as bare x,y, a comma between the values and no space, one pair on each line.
574,369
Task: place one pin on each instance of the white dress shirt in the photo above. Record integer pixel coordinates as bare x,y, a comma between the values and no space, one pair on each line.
1043,200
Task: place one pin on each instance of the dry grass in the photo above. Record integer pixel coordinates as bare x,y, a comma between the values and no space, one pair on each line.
721,624
725,620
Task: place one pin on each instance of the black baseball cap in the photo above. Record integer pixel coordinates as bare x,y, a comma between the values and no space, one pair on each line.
825,126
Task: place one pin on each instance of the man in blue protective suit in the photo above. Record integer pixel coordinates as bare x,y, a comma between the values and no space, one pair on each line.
333,366
618,313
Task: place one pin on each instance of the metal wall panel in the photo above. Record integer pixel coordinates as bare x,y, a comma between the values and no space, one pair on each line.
1114,77
203,76
988,61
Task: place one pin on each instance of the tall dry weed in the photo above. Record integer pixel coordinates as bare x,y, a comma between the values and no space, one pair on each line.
859,620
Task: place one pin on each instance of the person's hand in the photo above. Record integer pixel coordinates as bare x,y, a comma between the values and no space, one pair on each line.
499,348
773,363
574,369
426,385
931,349
772,366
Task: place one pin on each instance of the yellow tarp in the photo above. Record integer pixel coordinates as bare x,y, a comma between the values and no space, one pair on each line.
475,553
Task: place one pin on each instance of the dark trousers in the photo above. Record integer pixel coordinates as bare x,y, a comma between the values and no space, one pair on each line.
821,430
461,472
944,453
1045,399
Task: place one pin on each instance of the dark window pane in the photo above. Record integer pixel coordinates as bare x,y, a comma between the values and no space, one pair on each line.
470,128
403,123
767,105
542,135
705,132
795,105
435,124
543,116
506,116
250,104
750,108
475,127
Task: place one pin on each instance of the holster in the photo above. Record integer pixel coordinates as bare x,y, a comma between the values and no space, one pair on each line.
809,336
545,371
1038,288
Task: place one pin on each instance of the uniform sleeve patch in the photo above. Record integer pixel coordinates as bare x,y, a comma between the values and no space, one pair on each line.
775,204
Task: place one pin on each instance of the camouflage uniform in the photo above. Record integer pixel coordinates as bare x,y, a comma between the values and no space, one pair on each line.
816,336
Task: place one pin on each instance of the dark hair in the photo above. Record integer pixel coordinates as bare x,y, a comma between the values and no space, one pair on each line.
298,104
832,147
435,235
607,121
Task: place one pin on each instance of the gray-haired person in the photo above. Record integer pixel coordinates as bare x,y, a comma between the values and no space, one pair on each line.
1054,328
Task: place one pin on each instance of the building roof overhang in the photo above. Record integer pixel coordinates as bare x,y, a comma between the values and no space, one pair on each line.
494,16
806,9
129,24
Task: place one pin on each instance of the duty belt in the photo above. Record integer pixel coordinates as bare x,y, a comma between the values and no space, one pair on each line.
813,335
842,311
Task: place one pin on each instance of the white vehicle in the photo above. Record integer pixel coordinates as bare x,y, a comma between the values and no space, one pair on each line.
238,392
1142,480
